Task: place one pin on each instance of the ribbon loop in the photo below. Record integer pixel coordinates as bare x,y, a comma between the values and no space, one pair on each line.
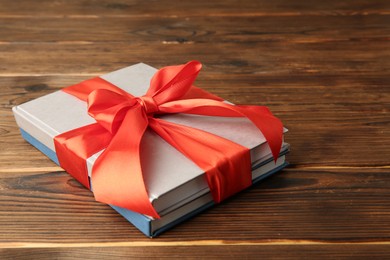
173,82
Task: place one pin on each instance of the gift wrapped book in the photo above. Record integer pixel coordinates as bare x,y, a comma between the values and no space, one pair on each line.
151,145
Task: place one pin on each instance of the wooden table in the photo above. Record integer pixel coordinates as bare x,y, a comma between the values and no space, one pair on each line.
321,66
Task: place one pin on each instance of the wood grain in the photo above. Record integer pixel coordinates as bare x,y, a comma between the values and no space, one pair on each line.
189,8
298,251
343,58
307,102
329,205
322,67
178,30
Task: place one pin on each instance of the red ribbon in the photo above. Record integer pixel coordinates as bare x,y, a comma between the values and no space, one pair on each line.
122,119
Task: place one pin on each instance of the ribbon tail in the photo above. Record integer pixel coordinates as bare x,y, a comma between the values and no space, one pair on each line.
270,126
227,165
117,173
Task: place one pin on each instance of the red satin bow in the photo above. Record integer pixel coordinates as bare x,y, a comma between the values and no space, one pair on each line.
122,119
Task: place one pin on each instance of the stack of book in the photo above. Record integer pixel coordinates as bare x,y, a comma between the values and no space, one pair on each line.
176,186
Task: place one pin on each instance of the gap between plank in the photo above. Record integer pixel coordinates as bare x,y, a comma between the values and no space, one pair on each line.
299,167
246,14
32,169
5,75
154,243
324,167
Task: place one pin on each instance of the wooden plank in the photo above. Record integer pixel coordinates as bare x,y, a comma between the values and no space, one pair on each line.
343,58
190,8
296,90
176,30
298,251
335,126
294,205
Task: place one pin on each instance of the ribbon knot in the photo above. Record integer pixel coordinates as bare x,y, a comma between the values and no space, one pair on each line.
149,104
122,121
